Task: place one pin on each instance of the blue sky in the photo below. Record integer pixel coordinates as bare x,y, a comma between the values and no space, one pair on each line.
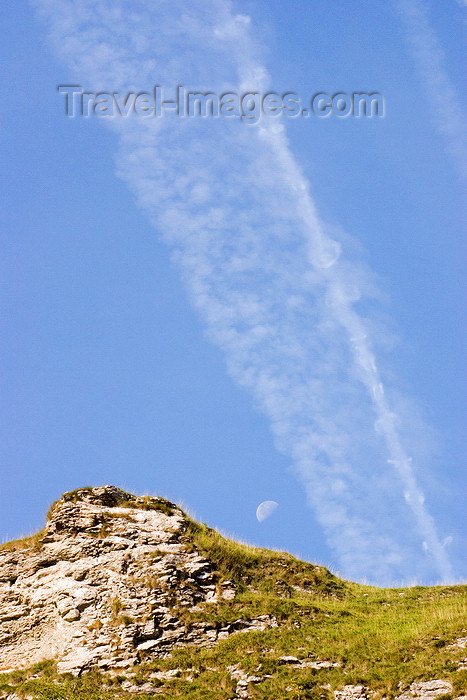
118,364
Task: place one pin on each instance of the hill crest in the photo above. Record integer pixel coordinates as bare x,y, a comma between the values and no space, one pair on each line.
130,595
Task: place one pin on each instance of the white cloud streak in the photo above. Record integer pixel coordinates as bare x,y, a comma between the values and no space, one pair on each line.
448,112
274,289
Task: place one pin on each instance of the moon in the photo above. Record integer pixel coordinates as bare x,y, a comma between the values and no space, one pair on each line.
265,509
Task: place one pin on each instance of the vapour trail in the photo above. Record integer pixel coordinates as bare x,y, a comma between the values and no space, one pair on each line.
449,114
271,284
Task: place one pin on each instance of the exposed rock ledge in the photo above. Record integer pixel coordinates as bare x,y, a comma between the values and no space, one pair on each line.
425,690
97,587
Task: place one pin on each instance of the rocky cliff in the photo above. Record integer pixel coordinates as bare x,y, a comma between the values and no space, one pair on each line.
97,586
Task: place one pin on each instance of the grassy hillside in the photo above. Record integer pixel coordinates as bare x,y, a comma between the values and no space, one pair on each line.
383,639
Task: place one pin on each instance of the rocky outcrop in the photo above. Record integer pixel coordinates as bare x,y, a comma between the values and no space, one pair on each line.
242,680
99,586
424,690
427,690
352,692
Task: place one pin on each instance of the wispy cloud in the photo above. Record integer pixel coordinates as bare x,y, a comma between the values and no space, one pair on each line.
447,109
274,289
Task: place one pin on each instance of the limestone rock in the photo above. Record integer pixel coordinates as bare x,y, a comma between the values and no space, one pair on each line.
96,589
243,680
351,692
289,660
426,690
460,643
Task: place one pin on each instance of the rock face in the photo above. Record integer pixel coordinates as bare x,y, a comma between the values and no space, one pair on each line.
427,690
96,588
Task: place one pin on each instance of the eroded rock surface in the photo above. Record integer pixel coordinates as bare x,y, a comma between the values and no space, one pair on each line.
427,690
352,692
423,690
98,587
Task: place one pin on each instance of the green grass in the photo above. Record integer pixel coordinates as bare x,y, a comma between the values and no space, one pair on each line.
42,681
29,542
261,569
379,637
150,503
